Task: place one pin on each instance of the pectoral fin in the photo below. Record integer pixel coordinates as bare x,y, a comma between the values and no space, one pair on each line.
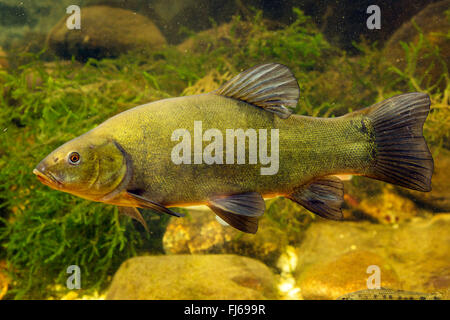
148,204
241,211
133,213
323,196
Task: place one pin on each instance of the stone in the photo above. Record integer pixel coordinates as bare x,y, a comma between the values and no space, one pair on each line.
416,251
177,16
202,233
346,273
282,223
192,277
343,22
387,207
212,38
199,233
105,32
434,23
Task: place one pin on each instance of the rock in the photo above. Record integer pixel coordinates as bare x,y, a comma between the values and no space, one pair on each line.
3,59
417,251
381,202
434,23
105,32
438,199
192,277
340,20
343,22
212,38
178,16
386,207
346,273
282,224
200,233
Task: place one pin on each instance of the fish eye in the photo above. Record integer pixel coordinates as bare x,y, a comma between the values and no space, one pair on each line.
74,158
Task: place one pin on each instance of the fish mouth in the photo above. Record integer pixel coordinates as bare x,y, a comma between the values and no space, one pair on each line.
47,179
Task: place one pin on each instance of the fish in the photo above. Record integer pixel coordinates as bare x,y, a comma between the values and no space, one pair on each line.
143,158
390,294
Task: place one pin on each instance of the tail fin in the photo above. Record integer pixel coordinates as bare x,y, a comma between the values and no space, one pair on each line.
402,155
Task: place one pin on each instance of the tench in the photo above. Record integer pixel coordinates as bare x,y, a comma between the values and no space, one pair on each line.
231,148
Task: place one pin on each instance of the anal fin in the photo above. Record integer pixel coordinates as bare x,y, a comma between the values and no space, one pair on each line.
323,196
240,211
243,223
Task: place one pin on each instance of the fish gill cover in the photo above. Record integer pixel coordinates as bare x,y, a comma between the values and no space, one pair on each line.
45,102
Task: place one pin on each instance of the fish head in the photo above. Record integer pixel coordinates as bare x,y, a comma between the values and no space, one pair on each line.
88,167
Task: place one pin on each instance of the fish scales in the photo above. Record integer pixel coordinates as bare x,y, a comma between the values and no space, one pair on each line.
306,146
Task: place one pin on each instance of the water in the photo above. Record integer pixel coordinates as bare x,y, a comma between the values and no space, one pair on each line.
64,69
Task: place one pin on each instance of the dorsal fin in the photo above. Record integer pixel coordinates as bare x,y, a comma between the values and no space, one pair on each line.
271,86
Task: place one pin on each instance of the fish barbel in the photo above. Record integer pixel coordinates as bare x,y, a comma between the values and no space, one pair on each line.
170,153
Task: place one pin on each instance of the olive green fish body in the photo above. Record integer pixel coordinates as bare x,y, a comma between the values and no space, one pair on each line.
308,147
230,148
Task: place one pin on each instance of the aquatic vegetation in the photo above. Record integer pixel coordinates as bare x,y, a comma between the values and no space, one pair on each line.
44,104
378,78
437,127
45,232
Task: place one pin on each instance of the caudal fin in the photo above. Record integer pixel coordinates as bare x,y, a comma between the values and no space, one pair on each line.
402,156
